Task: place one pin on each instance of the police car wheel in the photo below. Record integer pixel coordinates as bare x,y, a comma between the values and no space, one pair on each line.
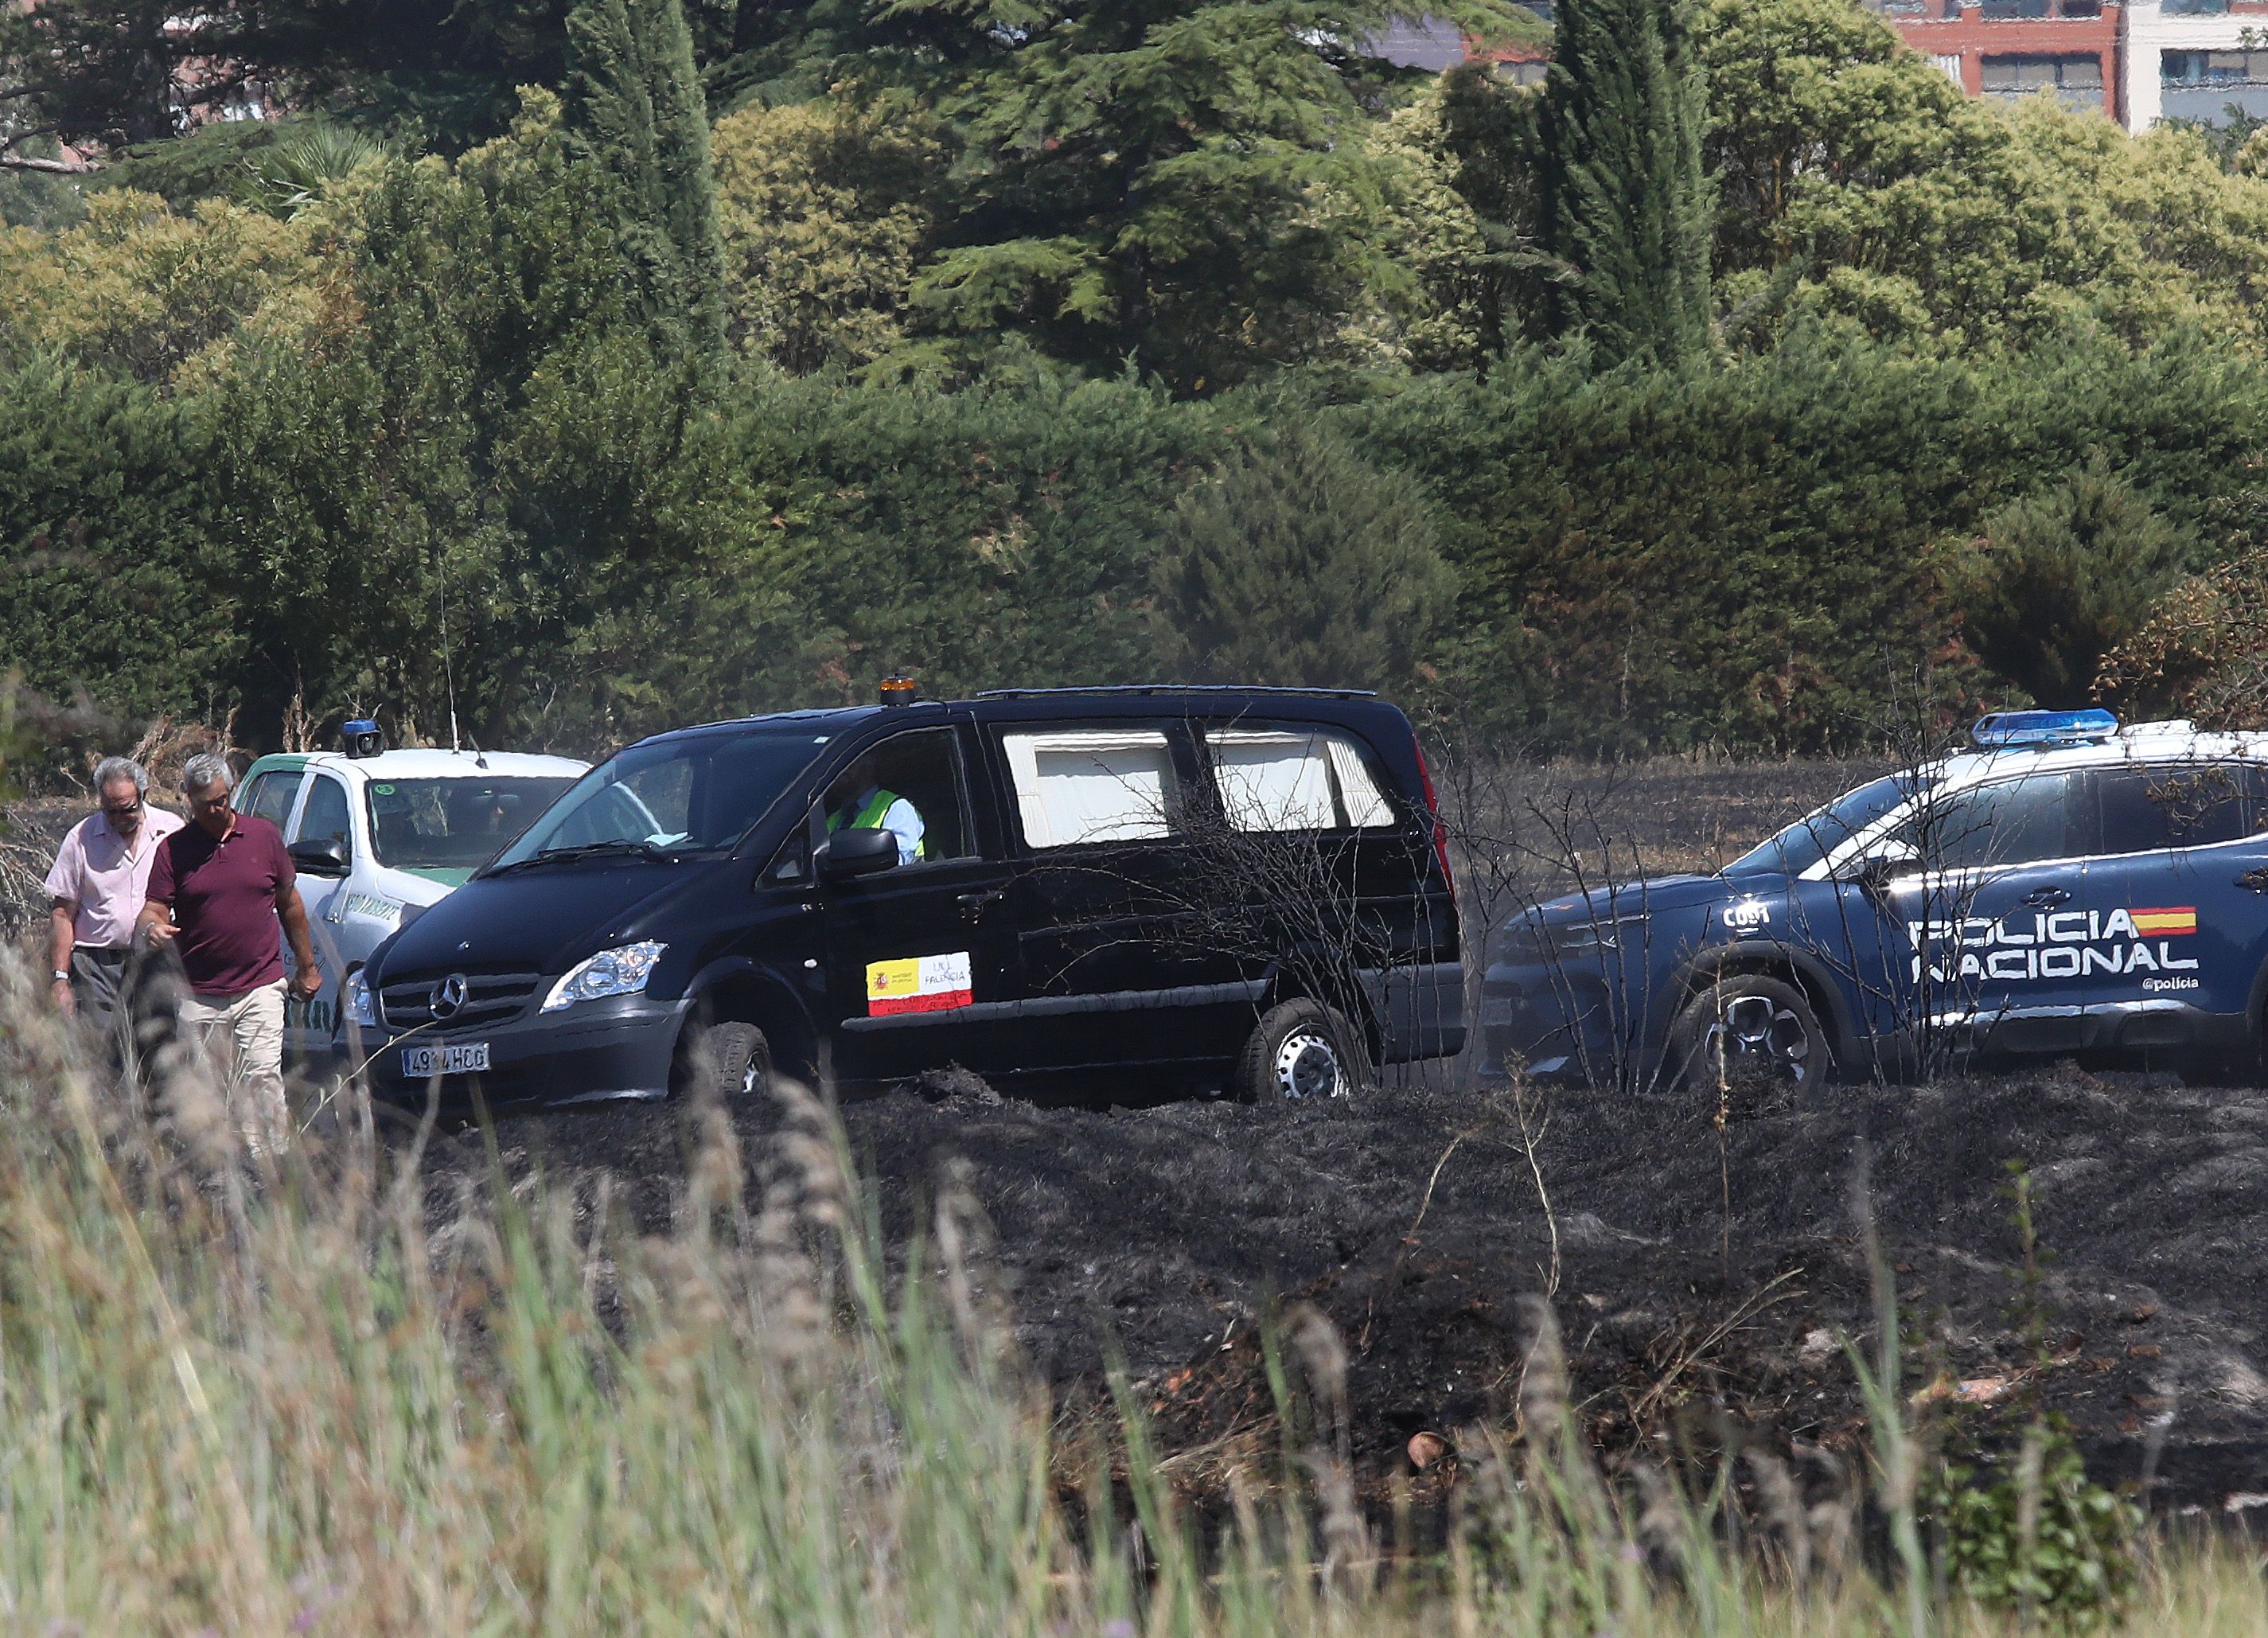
1751,1044
726,1061
1301,1051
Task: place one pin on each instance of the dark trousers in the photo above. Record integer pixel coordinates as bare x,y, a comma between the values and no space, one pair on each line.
98,984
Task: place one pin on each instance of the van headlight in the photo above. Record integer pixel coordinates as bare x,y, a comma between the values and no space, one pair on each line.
358,1005
621,972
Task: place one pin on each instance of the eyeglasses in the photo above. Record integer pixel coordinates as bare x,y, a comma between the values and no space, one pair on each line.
127,812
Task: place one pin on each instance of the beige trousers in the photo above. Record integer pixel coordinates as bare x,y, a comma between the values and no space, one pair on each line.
242,1039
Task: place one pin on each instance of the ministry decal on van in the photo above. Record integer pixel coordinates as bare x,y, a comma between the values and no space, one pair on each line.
2056,944
918,983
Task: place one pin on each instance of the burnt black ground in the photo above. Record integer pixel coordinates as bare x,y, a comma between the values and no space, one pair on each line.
1165,1233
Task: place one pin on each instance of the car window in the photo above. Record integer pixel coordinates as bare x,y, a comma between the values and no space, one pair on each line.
1093,785
454,824
2144,809
1294,779
1811,838
2013,822
268,795
324,818
910,783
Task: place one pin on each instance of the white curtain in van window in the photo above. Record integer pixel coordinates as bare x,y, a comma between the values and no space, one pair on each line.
1274,780
1090,785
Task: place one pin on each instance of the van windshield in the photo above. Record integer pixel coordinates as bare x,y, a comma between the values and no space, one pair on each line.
671,798
451,824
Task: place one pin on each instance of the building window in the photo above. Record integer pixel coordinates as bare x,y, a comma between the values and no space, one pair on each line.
2074,81
2213,68
2196,8
2012,11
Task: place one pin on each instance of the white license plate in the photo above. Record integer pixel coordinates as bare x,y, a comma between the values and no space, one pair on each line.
466,1058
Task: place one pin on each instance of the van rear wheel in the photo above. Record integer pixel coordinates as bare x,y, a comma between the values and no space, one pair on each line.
1752,1044
1299,1051
726,1061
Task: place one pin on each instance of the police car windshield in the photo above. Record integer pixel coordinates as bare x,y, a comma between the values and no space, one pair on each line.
675,797
451,824
1812,837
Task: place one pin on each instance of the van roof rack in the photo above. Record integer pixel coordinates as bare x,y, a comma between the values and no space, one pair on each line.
1175,688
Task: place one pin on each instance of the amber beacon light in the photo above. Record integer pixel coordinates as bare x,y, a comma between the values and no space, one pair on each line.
899,689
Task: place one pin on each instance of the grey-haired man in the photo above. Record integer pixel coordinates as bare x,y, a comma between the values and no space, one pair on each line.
96,890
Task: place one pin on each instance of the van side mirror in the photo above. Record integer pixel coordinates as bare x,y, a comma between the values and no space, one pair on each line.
859,852
319,856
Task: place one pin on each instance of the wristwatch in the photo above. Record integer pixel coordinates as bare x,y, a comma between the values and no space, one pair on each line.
62,977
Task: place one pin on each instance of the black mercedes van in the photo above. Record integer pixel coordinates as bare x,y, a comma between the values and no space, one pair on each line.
1239,890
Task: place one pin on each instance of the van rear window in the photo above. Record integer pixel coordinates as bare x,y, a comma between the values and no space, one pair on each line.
1092,784
1292,780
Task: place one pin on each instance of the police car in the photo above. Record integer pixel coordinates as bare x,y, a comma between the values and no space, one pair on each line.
2067,886
379,836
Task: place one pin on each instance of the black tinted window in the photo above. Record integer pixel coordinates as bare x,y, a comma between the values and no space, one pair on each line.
2012,822
2184,805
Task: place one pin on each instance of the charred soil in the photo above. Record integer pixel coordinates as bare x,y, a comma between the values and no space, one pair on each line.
1703,1292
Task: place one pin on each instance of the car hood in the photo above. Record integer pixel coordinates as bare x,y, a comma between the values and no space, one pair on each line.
1631,898
538,920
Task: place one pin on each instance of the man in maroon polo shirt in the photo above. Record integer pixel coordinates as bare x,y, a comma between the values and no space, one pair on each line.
217,890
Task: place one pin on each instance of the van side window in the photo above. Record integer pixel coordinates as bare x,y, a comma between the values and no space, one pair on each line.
2189,805
324,818
909,784
1093,785
1291,780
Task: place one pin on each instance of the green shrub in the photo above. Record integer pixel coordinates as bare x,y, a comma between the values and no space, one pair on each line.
1298,564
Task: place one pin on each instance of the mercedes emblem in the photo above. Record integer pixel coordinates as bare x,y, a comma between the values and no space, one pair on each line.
448,996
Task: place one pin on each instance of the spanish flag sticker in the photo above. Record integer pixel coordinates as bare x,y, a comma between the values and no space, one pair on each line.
918,984
2160,924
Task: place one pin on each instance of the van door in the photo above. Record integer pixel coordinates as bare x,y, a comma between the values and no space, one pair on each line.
1120,967
1324,882
2178,934
920,958
326,814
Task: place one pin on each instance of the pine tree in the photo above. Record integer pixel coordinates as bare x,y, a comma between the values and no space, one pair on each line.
638,113
1301,564
1626,202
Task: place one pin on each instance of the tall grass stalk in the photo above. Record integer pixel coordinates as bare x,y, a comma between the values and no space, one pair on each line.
309,1400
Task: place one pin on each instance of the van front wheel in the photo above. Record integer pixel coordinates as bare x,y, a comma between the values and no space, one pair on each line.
1301,1050
726,1061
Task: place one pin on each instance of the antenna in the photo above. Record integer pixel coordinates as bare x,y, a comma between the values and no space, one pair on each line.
448,672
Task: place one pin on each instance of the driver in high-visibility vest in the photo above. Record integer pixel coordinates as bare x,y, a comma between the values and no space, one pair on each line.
875,808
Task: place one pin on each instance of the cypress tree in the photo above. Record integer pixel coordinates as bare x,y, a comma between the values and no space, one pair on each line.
1626,202
637,112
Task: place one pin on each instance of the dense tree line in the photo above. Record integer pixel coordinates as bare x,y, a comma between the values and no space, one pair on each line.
624,362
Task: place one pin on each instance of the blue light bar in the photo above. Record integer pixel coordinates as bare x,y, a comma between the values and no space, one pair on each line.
2006,729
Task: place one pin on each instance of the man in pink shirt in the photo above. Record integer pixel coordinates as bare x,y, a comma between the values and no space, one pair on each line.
97,888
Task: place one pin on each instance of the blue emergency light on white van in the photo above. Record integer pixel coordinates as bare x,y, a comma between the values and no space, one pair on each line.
2006,729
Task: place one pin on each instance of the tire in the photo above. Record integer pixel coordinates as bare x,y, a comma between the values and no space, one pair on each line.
1300,1051
726,1061
1750,1044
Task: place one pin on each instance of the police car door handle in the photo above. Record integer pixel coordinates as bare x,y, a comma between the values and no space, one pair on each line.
2044,897
2256,880
973,905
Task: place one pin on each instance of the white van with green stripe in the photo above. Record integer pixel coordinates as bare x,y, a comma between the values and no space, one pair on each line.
379,838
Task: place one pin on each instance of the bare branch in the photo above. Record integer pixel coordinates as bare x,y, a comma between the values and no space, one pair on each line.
59,167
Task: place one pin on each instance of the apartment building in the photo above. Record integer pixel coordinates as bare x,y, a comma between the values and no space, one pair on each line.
2138,63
